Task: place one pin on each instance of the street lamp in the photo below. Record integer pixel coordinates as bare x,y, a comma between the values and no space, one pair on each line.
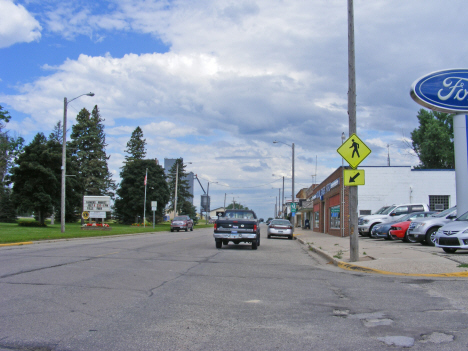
64,158
293,195
208,201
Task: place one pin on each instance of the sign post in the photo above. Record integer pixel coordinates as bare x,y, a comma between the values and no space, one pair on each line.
154,205
445,91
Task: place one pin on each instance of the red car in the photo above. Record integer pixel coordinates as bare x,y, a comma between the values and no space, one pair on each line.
398,231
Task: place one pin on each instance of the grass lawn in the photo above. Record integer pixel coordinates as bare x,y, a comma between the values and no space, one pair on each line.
13,233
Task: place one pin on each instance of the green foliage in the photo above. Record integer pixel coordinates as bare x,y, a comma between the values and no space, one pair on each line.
183,193
37,177
433,140
31,224
236,206
131,193
10,147
188,209
7,208
136,146
89,152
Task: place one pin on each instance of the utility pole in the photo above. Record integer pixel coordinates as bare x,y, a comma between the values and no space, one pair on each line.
353,190
176,183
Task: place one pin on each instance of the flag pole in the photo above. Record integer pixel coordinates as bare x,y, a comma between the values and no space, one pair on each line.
144,206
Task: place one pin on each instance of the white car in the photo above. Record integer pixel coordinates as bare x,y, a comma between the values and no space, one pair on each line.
454,235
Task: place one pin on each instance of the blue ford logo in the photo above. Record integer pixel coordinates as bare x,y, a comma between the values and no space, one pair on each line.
444,91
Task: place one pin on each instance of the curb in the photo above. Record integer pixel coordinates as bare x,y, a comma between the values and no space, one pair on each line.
357,268
17,244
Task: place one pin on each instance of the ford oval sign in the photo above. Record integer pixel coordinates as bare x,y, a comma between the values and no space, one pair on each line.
444,91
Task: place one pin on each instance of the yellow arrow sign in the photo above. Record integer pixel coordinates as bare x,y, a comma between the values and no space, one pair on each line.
354,151
354,177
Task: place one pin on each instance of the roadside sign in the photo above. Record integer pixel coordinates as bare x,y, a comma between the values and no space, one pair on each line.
85,215
354,177
293,207
354,151
154,205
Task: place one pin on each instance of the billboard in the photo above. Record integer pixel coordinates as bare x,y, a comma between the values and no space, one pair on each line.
96,203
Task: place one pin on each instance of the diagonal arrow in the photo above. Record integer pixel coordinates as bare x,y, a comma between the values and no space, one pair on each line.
352,179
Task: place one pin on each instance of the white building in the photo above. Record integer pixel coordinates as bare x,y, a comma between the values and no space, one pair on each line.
396,185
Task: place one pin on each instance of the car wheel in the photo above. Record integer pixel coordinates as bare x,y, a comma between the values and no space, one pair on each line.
290,237
258,241
254,245
449,250
430,236
268,236
172,230
186,229
191,229
225,242
407,238
388,237
219,244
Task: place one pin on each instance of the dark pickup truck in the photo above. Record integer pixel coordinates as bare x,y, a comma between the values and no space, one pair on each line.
237,226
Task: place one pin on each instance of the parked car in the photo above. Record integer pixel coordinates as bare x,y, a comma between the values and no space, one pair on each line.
381,230
454,235
379,211
280,227
366,223
182,222
399,231
423,230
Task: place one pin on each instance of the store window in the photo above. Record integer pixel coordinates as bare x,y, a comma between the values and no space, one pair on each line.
316,220
335,217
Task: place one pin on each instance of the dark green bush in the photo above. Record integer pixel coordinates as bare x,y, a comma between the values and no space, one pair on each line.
30,224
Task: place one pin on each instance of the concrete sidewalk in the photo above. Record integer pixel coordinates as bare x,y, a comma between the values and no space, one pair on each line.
386,256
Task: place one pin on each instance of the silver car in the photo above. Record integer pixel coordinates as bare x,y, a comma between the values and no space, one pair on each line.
280,227
453,235
423,230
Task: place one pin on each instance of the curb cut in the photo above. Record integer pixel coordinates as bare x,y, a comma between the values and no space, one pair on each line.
357,268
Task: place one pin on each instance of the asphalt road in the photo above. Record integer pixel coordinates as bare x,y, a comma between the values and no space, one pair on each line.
176,291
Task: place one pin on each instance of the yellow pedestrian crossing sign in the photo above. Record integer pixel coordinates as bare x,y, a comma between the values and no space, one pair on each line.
354,177
354,151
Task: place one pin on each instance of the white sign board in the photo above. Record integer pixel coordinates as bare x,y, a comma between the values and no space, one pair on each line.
97,214
96,203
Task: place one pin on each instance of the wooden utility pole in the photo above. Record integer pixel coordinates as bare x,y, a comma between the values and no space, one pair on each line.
353,190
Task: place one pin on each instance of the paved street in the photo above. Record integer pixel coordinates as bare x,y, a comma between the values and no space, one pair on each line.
176,291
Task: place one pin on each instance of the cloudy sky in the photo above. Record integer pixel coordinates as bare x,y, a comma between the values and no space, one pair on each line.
217,81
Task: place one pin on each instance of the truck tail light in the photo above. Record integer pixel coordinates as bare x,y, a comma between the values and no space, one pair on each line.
255,228
215,226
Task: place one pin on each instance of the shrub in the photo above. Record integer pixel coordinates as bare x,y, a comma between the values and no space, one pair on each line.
30,224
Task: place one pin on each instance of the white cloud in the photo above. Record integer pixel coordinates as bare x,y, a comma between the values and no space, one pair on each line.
17,25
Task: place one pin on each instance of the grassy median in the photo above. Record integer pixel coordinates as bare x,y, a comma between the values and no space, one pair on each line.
13,233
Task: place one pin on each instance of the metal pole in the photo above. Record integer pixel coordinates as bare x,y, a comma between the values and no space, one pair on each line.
64,166
282,202
353,191
144,205
293,219
224,202
207,200
176,183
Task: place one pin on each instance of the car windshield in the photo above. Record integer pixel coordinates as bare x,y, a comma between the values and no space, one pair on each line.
463,217
280,222
445,213
388,210
239,215
381,210
180,218
406,217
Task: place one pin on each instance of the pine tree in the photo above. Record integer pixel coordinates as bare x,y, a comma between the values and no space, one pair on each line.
7,208
136,146
37,177
57,133
10,147
183,193
131,193
89,151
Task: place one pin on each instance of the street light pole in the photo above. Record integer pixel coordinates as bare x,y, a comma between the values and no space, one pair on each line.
292,187
64,160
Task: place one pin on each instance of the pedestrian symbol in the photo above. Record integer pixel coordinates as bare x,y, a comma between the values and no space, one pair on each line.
354,151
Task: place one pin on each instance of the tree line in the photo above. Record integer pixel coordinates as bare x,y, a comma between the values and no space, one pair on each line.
30,178
30,175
